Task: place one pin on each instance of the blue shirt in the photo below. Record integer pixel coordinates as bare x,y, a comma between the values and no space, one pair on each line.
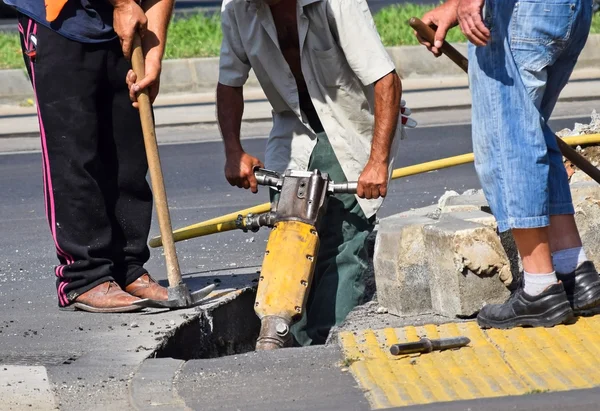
84,21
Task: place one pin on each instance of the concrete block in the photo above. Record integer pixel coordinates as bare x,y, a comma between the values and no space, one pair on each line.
448,266
451,260
465,261
401,275
586,200
450,263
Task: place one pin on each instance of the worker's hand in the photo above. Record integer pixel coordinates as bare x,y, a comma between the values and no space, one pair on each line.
407,121
239,170
471,21
128,18
444,17
373,181
152,68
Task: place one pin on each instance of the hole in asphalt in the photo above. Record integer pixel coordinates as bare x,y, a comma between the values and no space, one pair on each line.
233,327
228,329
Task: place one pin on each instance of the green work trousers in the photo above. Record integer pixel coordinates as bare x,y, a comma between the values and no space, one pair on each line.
339,280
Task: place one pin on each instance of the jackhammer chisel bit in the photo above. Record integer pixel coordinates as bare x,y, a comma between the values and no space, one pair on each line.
425,345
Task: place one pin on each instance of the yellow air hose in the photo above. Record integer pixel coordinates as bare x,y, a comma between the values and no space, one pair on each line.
227,222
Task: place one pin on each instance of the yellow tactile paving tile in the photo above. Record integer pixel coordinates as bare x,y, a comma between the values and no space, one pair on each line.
496,362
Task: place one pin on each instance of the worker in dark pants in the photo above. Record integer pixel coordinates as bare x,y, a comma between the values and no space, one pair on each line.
98,201
521,55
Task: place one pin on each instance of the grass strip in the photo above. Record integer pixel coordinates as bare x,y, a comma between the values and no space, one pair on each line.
199,35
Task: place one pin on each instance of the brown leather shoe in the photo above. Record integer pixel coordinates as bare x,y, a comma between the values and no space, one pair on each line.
107,297
146,287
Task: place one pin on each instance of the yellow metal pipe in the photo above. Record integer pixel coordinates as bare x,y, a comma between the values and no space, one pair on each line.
205,228
432,166
582,140
216,225
227,221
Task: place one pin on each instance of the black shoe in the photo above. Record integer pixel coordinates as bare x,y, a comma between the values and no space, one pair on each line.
547,309
582,287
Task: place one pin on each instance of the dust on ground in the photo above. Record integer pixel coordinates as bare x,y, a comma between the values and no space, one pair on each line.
372,315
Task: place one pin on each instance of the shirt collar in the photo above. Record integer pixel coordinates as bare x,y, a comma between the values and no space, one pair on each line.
304,3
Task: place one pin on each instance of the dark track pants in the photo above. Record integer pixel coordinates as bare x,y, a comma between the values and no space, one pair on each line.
98,202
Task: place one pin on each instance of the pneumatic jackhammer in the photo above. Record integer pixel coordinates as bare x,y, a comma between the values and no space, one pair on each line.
292,248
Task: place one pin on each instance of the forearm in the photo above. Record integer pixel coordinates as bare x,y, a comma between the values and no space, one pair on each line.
159,14
230,108
388,91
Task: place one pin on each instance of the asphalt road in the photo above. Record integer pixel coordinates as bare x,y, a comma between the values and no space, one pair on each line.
197,190
33,331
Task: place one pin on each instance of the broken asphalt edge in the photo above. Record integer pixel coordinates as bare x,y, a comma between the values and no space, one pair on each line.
154,381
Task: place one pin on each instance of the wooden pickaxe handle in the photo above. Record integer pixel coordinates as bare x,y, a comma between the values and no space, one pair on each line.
155,169
428,33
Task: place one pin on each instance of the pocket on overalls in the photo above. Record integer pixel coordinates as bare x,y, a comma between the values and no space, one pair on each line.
540,30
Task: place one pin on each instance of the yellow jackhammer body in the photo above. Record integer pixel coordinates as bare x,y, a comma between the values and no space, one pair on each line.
284,281
292,249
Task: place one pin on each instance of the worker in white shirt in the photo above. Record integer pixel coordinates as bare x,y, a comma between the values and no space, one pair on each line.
336,102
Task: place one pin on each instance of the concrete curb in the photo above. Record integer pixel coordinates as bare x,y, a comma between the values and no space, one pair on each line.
425,95
201,74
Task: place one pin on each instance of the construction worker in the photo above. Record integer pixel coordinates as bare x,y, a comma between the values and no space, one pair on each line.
521,55
98,202
336,104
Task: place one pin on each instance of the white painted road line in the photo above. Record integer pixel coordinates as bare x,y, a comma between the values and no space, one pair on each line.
25,388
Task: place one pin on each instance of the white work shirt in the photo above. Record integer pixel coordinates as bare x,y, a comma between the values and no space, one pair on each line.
341,57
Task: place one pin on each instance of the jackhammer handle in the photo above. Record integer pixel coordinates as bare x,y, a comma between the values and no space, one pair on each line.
267,180
428,34
344,188
154,167
266,177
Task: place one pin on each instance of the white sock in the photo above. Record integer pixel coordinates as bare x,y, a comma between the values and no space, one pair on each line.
567,261
536,283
